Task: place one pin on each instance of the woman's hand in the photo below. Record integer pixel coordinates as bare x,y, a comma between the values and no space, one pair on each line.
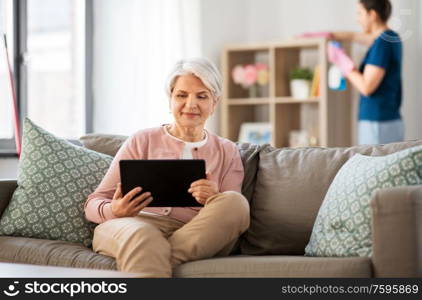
337,56
202,189
127,205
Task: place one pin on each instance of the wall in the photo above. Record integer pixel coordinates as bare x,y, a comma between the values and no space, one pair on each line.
282,19
135,45
217,22
222,22
412,104
241,21
272,20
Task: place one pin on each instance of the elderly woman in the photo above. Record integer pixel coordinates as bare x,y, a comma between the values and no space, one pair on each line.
152,240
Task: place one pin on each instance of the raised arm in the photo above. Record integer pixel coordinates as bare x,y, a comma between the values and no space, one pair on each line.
351,36
368,81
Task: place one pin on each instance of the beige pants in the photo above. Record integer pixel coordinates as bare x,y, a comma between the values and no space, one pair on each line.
151,245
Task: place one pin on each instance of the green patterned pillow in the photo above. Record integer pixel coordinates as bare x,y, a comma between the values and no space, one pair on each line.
343,224
55,178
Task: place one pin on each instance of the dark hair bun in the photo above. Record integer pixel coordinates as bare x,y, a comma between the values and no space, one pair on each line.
382,7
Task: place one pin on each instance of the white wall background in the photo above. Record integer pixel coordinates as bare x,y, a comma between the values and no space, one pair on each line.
214,23
135,44
242,21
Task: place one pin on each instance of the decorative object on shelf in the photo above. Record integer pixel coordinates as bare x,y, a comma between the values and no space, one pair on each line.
323,113
300,81
336,80
258,133
316,82
253,77
301,138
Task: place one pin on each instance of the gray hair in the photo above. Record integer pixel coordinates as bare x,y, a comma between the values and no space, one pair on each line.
201,68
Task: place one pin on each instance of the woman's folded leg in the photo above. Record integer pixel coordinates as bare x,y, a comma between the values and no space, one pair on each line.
139,244
219,223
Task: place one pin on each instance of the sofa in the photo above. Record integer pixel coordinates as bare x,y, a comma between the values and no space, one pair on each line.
285,188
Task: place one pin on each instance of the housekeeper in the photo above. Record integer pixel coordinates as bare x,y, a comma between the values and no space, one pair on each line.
378,79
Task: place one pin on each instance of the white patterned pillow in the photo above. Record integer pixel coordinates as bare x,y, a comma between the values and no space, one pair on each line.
343,224
55,178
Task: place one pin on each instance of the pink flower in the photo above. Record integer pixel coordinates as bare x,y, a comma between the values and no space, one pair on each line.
251,75
238,74
261,67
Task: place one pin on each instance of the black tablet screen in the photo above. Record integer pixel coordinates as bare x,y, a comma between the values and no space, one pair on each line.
167,180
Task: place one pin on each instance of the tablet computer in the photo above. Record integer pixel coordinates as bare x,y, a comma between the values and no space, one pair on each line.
168,180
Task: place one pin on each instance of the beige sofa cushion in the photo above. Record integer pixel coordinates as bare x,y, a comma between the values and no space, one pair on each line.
290,187
103,143
65,254
276,266
54,253
250,156
397,232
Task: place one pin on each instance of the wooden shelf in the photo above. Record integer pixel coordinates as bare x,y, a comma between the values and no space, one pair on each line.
290,100
301,43
249,101
278,100
327,118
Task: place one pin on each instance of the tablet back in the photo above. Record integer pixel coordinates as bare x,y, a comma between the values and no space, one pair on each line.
168,181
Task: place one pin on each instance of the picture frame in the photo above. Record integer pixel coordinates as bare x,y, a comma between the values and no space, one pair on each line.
301,138
258,133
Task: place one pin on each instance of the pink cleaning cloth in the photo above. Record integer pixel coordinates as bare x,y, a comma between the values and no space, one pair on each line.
321,34
337,56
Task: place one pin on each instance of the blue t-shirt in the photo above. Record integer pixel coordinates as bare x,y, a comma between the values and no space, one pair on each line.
384,103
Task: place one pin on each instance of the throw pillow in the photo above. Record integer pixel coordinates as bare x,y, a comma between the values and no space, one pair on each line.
55,178
343,224
288,192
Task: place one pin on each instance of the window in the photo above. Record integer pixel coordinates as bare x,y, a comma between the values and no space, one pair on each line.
56,66
6,27
52,37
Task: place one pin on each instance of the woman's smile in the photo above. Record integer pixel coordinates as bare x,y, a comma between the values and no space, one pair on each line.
190,115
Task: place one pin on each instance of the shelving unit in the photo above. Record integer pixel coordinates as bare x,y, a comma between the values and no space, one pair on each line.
327,118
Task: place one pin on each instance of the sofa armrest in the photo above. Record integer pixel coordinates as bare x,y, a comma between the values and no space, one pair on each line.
397,232
7,187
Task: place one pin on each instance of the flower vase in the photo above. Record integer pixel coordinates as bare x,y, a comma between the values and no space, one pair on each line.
254,91
263,90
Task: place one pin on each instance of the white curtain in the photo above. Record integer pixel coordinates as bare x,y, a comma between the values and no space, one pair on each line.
135,44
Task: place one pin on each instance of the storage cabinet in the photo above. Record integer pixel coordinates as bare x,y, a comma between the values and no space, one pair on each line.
326,118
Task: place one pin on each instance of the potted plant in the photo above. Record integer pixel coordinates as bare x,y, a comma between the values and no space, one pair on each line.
300,82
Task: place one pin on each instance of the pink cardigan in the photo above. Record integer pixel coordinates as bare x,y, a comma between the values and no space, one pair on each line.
222,159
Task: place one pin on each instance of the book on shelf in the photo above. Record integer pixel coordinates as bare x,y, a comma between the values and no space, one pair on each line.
315,86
